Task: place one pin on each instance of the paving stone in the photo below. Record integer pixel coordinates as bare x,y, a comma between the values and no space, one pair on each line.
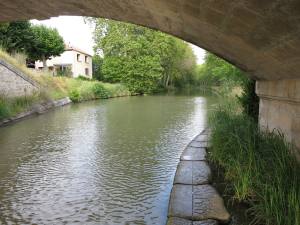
197,203
181,201
179,221
192,172
208,204
206,131
197,144
192,153
201,138
206,222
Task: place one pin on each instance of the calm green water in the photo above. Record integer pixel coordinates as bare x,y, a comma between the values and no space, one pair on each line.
102,162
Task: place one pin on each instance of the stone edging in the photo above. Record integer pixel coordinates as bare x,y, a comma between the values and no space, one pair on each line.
37,109
193,200
19,73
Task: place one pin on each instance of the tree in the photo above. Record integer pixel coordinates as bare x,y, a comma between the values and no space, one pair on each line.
143,59
217,71
47,43
16,36
97,67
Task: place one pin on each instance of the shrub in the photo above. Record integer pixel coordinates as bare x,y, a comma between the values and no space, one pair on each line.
80,77
99,91
74,95
249,100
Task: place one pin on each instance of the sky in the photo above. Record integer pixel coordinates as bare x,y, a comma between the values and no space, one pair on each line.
80,34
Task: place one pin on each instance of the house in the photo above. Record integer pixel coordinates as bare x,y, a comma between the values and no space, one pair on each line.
73,62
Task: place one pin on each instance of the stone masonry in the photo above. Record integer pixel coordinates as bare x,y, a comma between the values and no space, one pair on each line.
13,83
193,200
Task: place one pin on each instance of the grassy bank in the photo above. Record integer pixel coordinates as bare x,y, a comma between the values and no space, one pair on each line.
53,88
259,166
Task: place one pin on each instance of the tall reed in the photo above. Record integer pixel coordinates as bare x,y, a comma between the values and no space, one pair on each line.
259,166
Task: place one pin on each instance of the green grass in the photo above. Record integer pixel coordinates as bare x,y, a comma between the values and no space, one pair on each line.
10,107
259,166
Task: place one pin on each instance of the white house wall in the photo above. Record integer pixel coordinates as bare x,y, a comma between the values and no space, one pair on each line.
70,58
79,67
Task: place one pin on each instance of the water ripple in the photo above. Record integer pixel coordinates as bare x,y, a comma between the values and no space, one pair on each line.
104,162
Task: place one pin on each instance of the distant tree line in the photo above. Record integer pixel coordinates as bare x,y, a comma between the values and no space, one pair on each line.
143,59
38,42
219,73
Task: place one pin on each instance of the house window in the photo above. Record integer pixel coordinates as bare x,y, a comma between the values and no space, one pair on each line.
86,71
78,57
86,59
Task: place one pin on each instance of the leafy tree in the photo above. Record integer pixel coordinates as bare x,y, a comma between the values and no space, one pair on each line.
97,67
217,71
16,36
47,43
143,59
249,99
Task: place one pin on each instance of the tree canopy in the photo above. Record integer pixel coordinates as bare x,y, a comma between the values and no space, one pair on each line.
37,41
47,43
143,59
16,36
216,71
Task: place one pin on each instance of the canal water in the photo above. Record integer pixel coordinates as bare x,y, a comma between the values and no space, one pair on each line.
101,162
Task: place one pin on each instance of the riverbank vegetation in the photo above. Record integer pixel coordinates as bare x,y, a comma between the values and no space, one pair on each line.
53,88
259,166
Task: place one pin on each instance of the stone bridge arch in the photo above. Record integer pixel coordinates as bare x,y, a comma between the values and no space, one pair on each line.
260,37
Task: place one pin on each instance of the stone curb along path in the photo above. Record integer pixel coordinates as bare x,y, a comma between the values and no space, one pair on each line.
193,200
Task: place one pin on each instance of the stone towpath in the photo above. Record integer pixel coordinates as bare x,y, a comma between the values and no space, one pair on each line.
193,200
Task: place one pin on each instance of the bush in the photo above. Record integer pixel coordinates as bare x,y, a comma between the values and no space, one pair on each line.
249,100
80,77
259,166
75,95
99,91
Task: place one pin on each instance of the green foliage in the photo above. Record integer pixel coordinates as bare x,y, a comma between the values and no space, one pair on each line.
47,43
142,59
37,41
10,107
54,88
74,95
16,36
97,67
113,69
4,109
249,100
259,166
99,91
80,77
216,71
66,72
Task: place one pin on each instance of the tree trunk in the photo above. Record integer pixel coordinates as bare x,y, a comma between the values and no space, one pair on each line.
167,81
45,68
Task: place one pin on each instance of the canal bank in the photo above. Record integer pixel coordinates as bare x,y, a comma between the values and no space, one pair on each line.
25,92
193,200
36,109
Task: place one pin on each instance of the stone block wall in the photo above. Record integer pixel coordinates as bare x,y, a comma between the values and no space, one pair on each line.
280,108
14,83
